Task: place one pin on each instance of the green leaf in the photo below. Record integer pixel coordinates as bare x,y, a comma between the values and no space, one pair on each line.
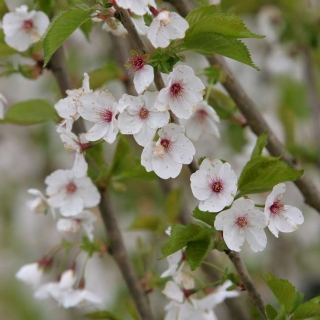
261,174
199,247
200,13
86,28
260,144
282,314
223,104
102,315
165,59
298,300
207,217
95,154
89,246
180,235
122,150
172,205
307,310
271,312
150,223
45,6
61,27
283,290
30,112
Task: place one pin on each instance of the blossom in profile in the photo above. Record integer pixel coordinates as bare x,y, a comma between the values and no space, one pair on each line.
67,108
3,103
203,120
214,184
182,94
243,222
70,194
140,118
139,7
166,156
283,218
166,26
22,28
101,109
39,204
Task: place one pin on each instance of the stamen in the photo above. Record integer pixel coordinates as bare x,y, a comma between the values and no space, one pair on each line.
216,186
27,25
71,188
144,113
241,222
176,90
277,207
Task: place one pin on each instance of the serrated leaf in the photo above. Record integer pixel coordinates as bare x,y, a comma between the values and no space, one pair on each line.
307,310
298,300
180,235
282,314
89,246
199,247
172,205
30,112
150,223
86,28
207,217
260,144
283,290
271,312
107,315
261,174
61,27
200,13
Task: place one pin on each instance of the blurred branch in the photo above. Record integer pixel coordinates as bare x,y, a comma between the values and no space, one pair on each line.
139,46
117,248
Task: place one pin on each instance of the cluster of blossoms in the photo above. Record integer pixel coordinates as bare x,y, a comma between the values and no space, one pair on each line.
215,185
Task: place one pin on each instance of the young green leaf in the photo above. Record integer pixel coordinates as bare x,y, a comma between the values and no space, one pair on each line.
200,13
30,112
61,27
86,28
260,144
261,174
148,223
307,310
45,6
271,312
207,217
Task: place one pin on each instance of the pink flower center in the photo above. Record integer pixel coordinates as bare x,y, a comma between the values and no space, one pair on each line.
106,116
71,188
137,63
241,222
201,115
277,207
144,113
216,186
27,25
176,90
165,144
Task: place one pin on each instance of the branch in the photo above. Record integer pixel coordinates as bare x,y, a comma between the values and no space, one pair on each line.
117,248
139,46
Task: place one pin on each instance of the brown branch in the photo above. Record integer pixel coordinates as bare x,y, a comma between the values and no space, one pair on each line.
139,46
117,247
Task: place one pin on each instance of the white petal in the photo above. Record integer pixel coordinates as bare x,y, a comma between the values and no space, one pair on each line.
129,124
147,154
200,185
72,205
256,238
169,130
98,131
172,291
143,78
145,135
68,225
182,150
214,203
31,274
80,166
233,238
165,167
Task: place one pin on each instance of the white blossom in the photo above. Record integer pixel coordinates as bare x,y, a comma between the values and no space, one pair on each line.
214,184
70,194
243,221
283,218
203,120
67,108
166,156
140,118
174,261
182,94
3,103
139,7
83,219
102,110
22,28
166,26
39,204
31,274
77,145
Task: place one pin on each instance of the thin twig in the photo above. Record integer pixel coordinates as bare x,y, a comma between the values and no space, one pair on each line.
117,247
139,46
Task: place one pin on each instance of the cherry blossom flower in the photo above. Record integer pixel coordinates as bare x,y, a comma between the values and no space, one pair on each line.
243,221
102,110
65,294
174,261
77,145
283,218
22,28
70,194
166,26
166,156
32,273
83,219
214,184
3,103
140,118
67,108
143,73
203,120
139,7
182,93
39,204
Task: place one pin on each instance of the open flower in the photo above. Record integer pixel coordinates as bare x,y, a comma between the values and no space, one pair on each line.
70,194
182,93
203,120
283,218
243,221
77,145
22,28
143,73
83,219
139,7
166,26
102,110
67,108
166,156
214,184
140,118
3,103
39,204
